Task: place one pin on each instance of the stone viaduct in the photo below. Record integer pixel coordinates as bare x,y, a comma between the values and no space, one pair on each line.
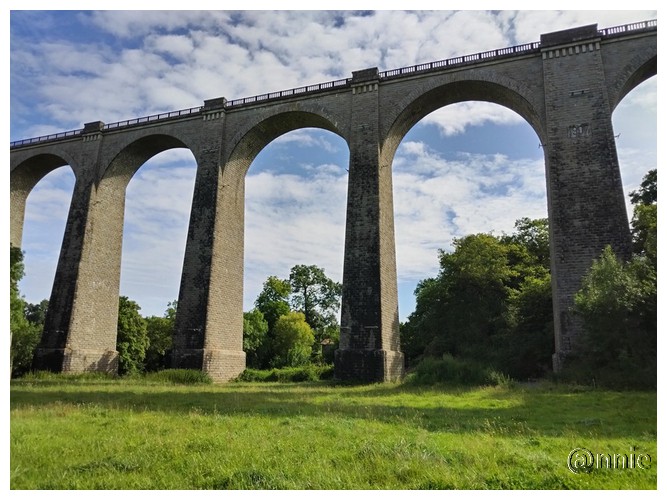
565,86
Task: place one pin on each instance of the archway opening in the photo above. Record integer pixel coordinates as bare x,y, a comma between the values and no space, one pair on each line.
295,209
467,169
46,211
158,200
635,128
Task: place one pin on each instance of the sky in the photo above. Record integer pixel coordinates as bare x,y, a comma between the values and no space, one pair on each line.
466,168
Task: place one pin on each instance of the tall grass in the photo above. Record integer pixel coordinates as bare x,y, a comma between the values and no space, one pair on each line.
141,434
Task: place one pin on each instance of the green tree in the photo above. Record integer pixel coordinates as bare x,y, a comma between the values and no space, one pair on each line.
293,341
36,313
618,305
273,300
491,302
132,340
255,330
16,303
645,217
318,297
647,194
160,332
24,334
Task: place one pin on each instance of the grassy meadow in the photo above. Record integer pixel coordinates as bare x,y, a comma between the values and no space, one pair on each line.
141,434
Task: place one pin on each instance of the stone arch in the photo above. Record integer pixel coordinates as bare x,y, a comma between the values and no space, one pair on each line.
632,75
503,91
128,159
247,144
24,176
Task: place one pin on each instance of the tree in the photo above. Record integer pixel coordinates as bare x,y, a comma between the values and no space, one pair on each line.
647,194
255,329
491,302
16,303
318,297
645,217
132,340
26,338
618,305
160,332
36,313
24,334
273,300
294,340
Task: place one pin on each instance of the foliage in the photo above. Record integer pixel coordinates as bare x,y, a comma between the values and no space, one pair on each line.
618,306
273,300
318,297
490,302
36,313
306,373
455,371
308,291
647,194
160,332
645,217
17,319
24,341
293,341
132,340
255,330
26,321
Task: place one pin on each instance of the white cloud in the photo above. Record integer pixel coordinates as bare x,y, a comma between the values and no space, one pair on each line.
458,118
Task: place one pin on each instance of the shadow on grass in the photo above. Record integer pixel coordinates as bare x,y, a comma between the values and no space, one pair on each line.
547,411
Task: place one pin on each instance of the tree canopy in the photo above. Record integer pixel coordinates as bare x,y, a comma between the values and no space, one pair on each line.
490,302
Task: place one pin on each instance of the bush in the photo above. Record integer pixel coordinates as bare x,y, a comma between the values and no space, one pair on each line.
450,370
307,373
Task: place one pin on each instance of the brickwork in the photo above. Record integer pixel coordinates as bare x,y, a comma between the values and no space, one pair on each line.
566,90
585,194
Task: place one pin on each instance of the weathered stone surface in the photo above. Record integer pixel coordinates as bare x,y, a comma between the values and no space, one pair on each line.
566,90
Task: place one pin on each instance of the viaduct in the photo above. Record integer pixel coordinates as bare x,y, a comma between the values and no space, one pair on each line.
565,86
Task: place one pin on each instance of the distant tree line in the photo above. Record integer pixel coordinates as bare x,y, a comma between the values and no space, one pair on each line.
294,322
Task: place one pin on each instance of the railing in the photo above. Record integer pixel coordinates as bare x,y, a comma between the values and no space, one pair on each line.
309,89
463,60
621,30
45,138
152,118
337,84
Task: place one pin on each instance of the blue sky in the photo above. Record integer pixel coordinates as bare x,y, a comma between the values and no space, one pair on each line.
467,168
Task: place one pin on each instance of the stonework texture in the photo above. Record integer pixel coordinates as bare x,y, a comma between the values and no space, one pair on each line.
566,90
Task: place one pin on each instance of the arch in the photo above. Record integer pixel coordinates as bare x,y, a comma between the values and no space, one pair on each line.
508,93
22,179
631,76
248,143
133,155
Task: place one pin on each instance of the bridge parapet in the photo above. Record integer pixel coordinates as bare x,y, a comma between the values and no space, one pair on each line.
453,62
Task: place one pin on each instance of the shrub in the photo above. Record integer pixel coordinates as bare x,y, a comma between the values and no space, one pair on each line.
450,370
306,373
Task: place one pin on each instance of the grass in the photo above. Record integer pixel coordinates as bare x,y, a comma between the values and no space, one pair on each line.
139,434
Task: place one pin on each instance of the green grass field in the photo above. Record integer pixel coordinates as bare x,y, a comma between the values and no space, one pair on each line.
123,434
